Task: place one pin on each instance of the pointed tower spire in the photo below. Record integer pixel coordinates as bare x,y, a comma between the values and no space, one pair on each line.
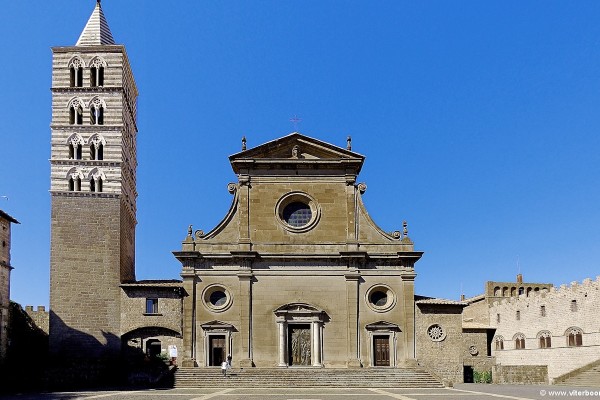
96,31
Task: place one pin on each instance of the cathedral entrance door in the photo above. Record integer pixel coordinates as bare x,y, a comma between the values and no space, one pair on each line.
381,346
299,344
216,350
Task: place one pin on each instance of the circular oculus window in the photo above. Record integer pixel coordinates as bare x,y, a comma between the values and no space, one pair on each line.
297,212
381,298
216,298
436,333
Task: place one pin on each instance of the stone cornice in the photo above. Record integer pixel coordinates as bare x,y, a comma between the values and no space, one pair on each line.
65,193
109,48
89,163
95,89
89,128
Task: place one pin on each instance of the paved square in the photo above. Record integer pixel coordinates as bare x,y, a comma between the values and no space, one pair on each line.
463,391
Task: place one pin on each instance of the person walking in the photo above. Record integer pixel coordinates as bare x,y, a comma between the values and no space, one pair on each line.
224,366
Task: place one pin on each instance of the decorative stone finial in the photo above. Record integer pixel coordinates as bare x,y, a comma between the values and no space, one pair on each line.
231,187
405,226
349,143
243,143
362,187
199,233
189,227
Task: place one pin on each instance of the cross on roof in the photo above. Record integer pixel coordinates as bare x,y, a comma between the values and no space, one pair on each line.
295,120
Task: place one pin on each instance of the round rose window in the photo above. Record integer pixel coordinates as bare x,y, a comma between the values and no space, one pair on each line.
216,298
297,214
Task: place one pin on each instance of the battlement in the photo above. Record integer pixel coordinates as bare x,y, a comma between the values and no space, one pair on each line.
40,317
574,290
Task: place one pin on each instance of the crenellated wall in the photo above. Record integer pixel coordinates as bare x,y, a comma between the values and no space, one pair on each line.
555,313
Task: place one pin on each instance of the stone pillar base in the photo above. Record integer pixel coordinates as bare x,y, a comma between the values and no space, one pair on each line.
354,363
188,362
246,363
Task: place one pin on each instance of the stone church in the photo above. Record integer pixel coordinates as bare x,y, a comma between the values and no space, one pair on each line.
296,274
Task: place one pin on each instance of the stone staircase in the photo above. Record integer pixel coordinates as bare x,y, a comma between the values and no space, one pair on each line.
306,377
586,376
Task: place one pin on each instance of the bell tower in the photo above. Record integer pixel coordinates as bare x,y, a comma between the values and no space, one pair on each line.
93,192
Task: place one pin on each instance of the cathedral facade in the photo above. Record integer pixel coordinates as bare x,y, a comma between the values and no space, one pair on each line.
297,273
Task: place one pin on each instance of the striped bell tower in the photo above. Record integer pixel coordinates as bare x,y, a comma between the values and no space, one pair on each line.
93,192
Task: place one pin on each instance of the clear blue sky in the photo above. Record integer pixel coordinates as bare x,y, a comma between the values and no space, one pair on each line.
479,119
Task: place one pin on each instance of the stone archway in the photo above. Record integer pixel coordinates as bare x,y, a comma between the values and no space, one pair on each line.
300,335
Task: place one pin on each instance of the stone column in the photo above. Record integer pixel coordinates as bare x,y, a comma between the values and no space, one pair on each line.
408,316
352,282
282,343
189,318
245,299
316,328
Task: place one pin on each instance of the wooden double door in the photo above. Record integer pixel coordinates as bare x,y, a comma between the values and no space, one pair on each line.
381,349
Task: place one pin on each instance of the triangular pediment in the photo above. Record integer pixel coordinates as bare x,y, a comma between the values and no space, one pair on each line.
382,326
297,146
217,325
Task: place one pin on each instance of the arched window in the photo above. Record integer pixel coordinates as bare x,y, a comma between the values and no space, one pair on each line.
97,72
521,290
499,343
528,291
76,72
504,291
74,179
513,291
96,178
574,337
97,143
75,112
75,143
76,184
519,341
545,340
497,291
97,112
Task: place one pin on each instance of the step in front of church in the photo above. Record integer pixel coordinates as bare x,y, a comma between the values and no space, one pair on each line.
188,377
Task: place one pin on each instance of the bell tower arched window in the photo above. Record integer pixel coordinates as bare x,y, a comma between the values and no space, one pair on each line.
97,143
75,112
97,112
96,179
97,72
75,184
75,143
76,73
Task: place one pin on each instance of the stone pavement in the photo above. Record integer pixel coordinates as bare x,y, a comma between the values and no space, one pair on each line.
463,391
